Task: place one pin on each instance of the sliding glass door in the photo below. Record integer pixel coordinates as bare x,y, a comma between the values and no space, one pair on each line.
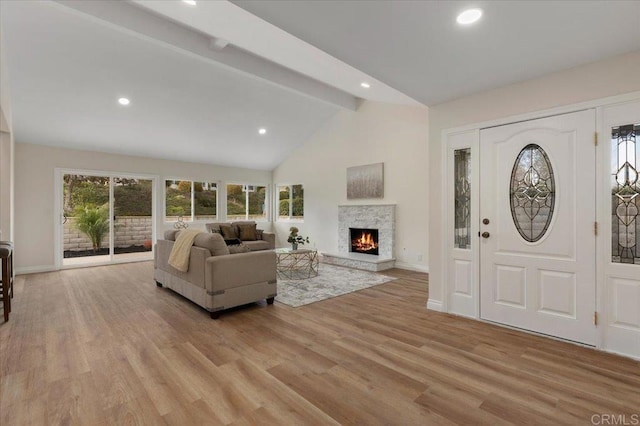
105,218
86,222
132,218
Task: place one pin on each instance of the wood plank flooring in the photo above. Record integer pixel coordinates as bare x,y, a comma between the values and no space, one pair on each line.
106,346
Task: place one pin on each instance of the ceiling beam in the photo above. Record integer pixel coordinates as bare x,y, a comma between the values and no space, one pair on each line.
218,44
127,17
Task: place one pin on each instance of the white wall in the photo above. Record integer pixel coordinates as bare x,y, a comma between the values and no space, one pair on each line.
6,180
34,191
377,132
609,77
4,125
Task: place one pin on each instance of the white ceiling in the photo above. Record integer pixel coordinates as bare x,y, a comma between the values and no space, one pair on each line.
418,48
289,66
66,72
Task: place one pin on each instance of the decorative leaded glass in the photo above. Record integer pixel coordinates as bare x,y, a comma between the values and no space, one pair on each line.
532,193
625,194
462,208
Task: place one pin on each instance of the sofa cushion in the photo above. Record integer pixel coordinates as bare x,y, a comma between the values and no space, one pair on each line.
247,231
257,245
228,231
238,248
213,242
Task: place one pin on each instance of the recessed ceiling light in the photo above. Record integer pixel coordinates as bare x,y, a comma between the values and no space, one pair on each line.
469,16
262,130
365,85
190,2
124,101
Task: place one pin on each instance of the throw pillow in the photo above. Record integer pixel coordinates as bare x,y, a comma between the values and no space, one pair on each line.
233,242
238,248
247,231
228,231
213,227
259,234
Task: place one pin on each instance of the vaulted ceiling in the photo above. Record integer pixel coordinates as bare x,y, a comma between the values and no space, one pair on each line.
203,79
418,48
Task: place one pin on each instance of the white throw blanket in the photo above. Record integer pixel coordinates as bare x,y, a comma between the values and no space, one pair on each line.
179,257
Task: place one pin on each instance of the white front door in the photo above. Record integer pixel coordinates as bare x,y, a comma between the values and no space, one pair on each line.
537,217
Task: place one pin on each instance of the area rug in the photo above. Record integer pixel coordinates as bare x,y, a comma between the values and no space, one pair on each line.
331,281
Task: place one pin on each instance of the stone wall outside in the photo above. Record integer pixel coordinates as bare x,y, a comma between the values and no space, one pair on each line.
129,231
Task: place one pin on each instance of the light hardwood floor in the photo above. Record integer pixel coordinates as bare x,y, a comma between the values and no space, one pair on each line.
106,346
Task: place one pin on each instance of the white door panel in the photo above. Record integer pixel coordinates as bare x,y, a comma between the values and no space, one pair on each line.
539,276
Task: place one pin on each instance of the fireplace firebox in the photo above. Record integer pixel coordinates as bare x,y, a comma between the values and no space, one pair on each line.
364,240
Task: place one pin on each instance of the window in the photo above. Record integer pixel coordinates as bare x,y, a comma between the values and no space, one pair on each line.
533,193
246,202
178,200
290,202
205,200
191,200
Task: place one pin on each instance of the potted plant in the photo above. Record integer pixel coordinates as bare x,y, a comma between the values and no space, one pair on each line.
296,239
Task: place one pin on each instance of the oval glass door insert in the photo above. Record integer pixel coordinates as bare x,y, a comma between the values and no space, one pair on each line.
532,193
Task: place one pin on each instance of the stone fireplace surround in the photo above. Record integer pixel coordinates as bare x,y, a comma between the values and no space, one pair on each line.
381,217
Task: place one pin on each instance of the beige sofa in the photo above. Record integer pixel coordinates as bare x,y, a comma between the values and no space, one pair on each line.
259,241
217,280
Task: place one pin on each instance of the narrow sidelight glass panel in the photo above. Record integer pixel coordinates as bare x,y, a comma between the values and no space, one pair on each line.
532,193
462,194
625,194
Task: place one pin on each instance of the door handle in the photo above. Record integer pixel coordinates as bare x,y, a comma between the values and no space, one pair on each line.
485,234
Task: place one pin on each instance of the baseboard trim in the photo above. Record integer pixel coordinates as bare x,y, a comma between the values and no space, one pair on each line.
624,354
434,305
35,269
412,267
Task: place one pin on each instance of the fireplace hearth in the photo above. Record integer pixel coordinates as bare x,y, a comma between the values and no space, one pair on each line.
364,240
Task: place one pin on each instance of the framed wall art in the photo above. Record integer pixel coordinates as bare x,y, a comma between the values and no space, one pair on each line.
365,181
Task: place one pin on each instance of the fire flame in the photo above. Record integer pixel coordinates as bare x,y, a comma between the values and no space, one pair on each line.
365,242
